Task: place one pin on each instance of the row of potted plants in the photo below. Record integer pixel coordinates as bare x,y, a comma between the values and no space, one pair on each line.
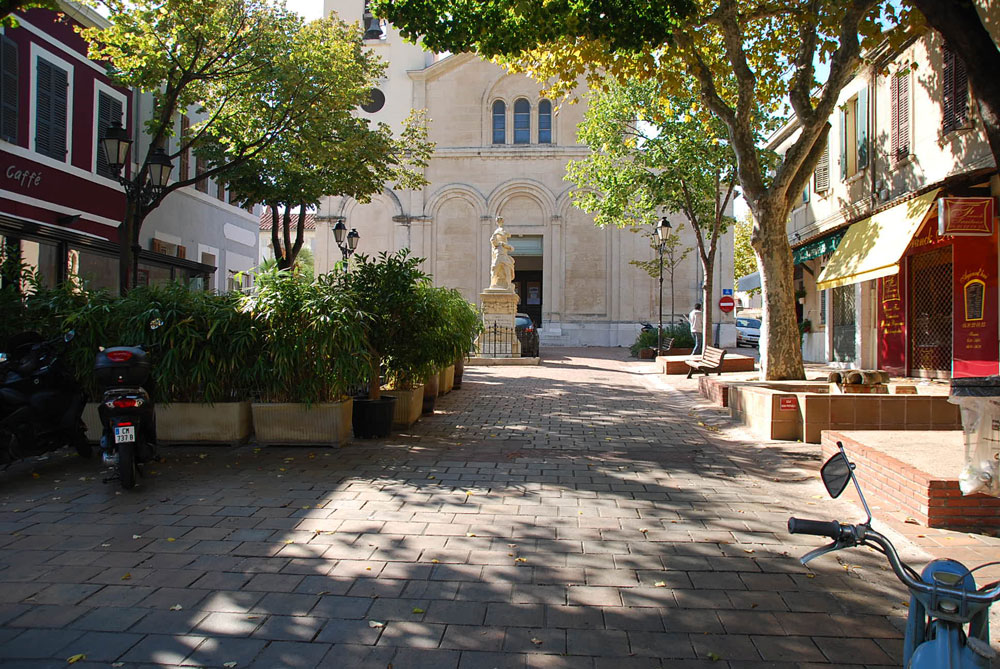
289,358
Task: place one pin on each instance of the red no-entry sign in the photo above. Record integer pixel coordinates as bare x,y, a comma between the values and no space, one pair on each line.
727,303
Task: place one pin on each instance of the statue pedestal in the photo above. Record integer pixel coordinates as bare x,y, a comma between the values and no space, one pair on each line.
499,339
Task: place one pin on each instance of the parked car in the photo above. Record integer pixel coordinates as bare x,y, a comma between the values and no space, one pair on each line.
747,332
527,334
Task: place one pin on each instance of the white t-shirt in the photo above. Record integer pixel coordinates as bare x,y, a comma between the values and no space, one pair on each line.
695,318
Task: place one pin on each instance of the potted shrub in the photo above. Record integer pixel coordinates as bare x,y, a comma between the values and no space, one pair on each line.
466,322
312,351
386,294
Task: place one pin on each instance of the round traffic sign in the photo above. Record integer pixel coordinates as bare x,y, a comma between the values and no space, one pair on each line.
727,303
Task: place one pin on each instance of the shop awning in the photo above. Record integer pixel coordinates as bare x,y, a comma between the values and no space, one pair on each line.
748,282
872,247
817,247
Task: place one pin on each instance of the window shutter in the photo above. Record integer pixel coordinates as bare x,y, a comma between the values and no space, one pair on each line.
50,119
862,122
961,93
109,109
894,116
901,117
948,95
843,144
8,90
199,169
822,174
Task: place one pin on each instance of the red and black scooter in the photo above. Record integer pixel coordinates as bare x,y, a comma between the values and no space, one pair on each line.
128,416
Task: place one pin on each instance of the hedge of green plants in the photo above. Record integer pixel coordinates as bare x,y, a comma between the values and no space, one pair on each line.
290,340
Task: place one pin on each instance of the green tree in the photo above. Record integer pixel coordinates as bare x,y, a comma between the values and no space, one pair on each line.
744,260
254,72
651,150
8,7
751,59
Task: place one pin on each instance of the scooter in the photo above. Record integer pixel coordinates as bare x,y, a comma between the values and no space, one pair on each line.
943,597
127,412
41,404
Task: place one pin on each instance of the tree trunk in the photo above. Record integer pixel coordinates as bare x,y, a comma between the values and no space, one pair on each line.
780,350
962,27
707,297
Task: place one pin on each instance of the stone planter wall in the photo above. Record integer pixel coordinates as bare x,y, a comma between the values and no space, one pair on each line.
190,423
326,424
409,404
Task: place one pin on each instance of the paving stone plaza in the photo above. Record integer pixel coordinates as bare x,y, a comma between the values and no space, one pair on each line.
578,514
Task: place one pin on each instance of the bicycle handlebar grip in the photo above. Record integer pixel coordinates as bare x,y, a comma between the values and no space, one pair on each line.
820,528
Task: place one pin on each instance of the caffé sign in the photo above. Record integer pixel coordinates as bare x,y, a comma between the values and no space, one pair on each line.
24,178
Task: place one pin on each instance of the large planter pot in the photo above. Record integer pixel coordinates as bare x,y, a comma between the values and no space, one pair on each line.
195,423
446,379
323,424
647,353
372,419
430,392
409,405
459,370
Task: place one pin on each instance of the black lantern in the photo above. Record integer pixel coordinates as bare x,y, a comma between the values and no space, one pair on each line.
346,241
339,231
116,144
352,240
160,168
664,230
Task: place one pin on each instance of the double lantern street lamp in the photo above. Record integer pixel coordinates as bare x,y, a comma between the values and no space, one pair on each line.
140,192
663,233
346,241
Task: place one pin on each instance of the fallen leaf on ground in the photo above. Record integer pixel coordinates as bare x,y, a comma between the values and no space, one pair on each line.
520,559
126,577
419,611
536,641
644,529
660,584
171,539
73,659
176,607
374,624
137,536
714,657
229,665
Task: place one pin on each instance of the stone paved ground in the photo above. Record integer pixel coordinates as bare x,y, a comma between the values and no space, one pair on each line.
576,514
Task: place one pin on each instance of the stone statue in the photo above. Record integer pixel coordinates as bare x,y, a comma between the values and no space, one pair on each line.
502,267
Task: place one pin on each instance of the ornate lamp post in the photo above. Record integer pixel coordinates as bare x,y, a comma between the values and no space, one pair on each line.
141,191
346,241
663,232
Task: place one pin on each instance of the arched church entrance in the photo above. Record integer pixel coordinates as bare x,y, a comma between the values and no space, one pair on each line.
528,277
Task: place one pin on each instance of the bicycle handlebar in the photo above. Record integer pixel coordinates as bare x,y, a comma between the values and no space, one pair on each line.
819,528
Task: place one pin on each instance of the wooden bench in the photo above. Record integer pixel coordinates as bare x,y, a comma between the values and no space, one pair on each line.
710,361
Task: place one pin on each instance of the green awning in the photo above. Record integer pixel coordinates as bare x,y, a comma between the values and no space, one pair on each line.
818,247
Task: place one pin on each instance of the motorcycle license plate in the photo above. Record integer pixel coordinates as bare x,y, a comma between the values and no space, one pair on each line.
125,434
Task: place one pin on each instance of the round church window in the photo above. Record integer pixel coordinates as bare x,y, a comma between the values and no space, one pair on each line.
376,100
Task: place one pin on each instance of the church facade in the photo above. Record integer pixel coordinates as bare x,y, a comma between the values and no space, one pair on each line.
502,150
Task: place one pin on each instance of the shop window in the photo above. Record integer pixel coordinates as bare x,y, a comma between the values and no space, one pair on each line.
522,121
109,110
900,115
499,122
8,89
44,259
93,271
544,122
955,99
51,109
854,135
153,275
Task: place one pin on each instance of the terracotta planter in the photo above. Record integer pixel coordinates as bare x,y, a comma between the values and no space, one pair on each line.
195,423
372,419
459,369
430,393
324,424
647,353
680,351
446,380
409,405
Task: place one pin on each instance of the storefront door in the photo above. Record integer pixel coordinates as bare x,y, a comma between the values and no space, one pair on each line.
930,321
845,317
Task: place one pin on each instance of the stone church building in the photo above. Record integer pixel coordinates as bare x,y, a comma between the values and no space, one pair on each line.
502,149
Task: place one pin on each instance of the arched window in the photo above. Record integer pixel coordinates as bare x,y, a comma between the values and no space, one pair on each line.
522,122
499,122
544,122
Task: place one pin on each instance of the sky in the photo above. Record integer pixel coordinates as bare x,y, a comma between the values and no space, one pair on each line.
310,9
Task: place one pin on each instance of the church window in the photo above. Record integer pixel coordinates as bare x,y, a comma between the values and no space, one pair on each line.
499,122
544,122
522,122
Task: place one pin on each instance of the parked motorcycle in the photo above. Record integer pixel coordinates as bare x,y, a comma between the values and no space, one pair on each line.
127,412
41,403
948,624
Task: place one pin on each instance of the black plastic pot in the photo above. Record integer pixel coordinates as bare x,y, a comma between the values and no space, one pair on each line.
431,386
459,368
372,419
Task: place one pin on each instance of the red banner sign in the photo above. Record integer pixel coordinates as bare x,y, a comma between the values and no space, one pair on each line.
966,216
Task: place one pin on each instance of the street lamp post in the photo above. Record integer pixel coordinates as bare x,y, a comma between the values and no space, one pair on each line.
141,191
663,232
346,241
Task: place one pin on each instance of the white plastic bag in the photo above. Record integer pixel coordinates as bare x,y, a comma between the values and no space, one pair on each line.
981,425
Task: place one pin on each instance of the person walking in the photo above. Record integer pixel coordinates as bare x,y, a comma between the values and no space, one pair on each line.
697,324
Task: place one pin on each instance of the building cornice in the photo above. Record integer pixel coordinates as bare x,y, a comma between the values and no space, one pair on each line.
512,152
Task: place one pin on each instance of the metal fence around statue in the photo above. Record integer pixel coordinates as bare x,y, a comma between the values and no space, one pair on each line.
498,341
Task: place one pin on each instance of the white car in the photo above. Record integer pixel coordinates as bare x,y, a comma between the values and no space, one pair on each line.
747,332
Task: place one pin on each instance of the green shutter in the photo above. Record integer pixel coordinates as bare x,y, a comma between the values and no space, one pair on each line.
51,89
843,145
8,90
109,109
